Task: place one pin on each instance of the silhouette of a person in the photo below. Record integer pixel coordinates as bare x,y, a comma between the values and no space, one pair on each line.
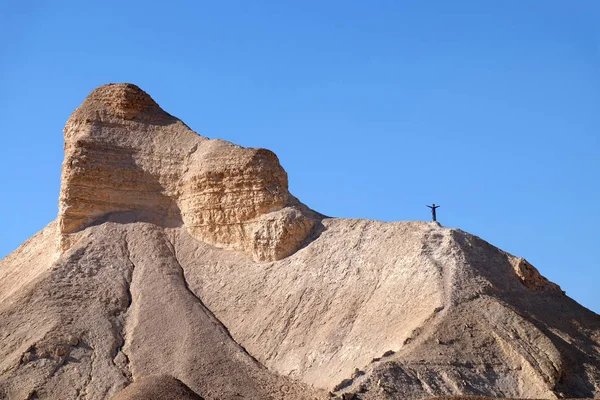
433,207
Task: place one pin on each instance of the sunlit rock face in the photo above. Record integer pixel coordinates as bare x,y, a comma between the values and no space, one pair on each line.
124,153
153,294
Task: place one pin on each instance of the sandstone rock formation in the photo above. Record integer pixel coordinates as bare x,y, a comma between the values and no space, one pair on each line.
187,258
123,153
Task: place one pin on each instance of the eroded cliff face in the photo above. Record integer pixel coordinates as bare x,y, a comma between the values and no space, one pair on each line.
124,153
147,296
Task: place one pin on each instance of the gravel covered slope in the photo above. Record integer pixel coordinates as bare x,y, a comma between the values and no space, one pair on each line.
385,310
407,309
116,308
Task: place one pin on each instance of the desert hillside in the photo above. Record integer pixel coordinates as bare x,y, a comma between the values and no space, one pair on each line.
182,264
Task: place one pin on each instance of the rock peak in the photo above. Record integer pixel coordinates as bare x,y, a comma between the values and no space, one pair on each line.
124,101
124,154
123,95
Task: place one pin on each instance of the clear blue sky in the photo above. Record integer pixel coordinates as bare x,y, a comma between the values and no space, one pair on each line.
375,108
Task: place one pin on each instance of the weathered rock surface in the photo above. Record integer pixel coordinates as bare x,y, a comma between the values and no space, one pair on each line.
123,153
468,398
116,308
154,279
403,310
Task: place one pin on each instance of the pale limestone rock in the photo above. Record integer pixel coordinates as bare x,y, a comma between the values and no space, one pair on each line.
143,298
124,153
530,276
279,233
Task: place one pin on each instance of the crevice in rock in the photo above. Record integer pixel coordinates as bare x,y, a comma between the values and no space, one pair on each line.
208,312
89,378
120,358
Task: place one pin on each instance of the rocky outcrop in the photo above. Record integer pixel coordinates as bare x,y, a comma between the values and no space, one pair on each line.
238,199
146,294
530,276
124,153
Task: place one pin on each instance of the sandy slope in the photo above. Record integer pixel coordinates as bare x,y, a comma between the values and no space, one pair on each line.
447,304
406,309
114,308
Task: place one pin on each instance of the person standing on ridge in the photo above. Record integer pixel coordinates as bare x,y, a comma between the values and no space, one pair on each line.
433,207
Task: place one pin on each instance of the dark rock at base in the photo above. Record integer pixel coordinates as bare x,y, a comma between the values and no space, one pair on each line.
159,387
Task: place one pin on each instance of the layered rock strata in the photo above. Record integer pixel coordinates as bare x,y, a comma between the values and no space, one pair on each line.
124,153
141,303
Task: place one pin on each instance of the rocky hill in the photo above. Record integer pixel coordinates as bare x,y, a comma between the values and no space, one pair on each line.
180,264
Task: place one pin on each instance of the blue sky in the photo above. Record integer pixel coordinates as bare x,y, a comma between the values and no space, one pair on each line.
374,108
